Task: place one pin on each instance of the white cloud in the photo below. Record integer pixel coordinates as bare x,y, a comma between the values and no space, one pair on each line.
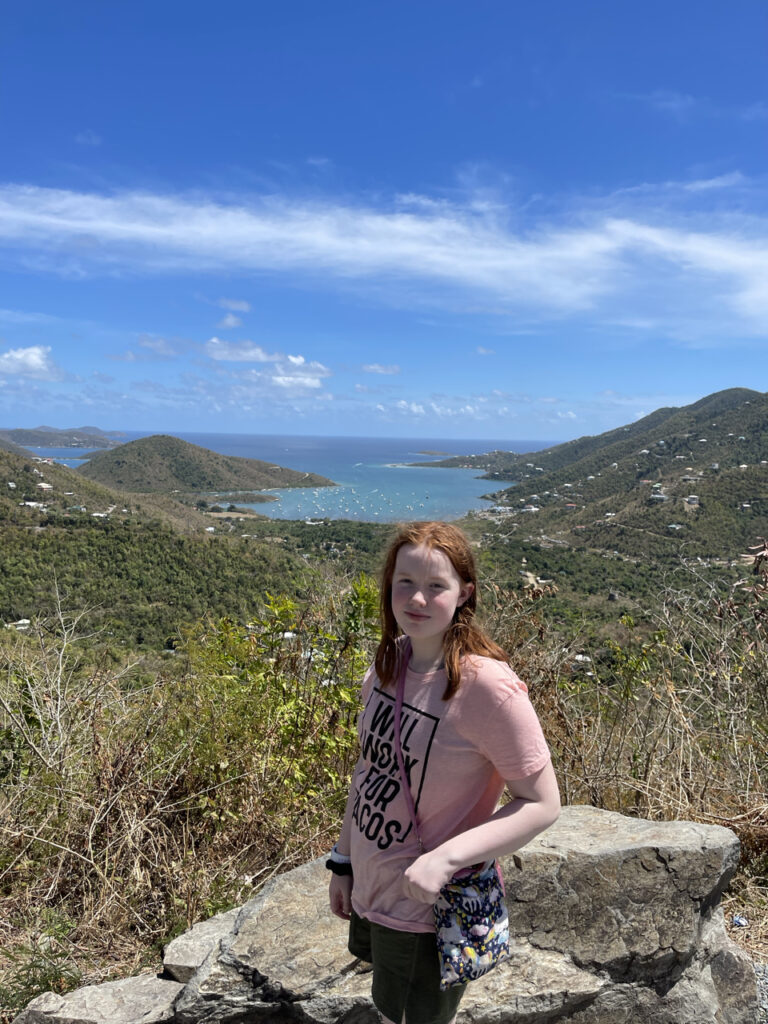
288,372
721,181
230,320
641,255
379,368
481,351
34,362
414,408
297,380
242,352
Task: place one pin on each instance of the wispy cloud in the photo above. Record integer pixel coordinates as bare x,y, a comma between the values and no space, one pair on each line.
720,181
235,305
88,138
160,347
598,262
239,352
379,368
482,351
683,106
668,101
229,321
755,111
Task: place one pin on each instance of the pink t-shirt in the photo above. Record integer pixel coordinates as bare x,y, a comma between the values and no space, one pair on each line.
457,755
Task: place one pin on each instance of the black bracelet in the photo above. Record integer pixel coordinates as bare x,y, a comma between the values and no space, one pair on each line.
338,869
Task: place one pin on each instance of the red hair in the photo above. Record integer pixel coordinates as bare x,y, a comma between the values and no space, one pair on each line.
464,635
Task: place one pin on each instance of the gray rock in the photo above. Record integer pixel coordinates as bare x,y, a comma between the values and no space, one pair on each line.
619,894
617,921
636,902
286,954
184,954
532,986
145,999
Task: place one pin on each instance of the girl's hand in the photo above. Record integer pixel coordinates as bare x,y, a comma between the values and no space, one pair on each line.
426,876
340,895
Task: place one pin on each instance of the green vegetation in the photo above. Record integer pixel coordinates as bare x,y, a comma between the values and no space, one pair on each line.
143,581
167,464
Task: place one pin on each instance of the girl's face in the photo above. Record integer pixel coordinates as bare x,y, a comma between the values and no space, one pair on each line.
426,591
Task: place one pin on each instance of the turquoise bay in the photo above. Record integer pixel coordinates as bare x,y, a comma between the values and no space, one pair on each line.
374,481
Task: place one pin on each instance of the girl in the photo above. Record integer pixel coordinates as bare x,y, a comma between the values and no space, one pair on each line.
467,729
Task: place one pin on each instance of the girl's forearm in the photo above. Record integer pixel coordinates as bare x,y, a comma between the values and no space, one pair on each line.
534,807
510,828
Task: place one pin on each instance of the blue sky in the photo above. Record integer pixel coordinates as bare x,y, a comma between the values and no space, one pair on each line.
486,219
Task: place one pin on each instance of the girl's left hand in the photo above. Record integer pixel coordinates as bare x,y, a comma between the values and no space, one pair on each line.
426,876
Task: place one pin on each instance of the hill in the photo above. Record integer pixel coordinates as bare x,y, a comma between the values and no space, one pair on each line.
69,437
7,445
145,566
167,464
689,482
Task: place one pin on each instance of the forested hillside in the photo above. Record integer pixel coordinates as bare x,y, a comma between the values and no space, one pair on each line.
680,483
144,565
167,464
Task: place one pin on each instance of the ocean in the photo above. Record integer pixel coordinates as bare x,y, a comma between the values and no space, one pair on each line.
374,482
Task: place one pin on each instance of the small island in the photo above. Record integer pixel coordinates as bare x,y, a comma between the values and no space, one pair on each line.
67,437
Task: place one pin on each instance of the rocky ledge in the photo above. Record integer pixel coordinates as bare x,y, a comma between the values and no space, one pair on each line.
616,921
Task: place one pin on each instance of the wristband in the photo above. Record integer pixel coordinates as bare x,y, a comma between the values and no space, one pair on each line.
339,858
337,868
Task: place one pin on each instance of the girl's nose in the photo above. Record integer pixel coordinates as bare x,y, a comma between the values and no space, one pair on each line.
418,598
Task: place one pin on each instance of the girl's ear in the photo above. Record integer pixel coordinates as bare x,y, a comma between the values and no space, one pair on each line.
464,593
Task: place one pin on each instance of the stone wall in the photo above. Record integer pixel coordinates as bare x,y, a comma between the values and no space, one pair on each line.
615,921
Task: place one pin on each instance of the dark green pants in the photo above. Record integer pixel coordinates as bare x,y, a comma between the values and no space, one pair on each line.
406,973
